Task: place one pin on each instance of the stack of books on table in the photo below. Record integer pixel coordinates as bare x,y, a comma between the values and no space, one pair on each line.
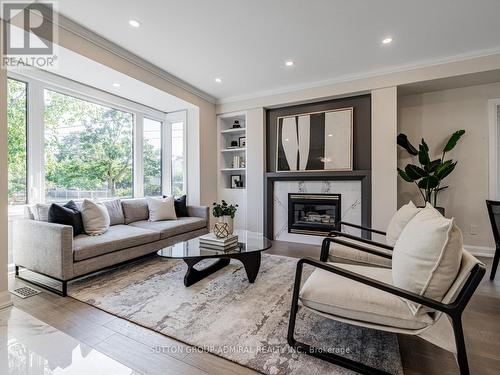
211,242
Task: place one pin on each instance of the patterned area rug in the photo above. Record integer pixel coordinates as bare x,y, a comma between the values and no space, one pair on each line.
227,316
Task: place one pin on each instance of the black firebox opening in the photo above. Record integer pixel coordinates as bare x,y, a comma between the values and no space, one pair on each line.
315,214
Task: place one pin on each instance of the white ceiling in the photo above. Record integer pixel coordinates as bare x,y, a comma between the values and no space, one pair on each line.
81,69
246,42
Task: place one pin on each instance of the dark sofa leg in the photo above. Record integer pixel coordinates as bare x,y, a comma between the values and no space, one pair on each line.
64,288
460,343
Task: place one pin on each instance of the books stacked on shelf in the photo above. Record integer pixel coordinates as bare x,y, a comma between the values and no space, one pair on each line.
211,242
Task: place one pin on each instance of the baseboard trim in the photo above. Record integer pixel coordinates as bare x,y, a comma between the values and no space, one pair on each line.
480,251
5,300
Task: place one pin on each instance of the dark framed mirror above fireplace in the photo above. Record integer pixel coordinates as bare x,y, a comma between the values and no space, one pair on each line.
313,214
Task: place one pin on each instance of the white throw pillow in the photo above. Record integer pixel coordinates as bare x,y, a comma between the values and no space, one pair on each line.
427,256
95,218
161,208
399,221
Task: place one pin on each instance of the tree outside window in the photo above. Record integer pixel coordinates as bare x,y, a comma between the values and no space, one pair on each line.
88,149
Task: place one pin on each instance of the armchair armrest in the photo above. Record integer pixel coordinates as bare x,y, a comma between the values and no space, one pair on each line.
199,211
325,246
452,308
363,228
335,233
43,247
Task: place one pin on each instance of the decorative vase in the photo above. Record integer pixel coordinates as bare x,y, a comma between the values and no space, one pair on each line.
221,230
226,219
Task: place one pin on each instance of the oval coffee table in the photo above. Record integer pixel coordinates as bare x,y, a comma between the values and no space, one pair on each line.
250,245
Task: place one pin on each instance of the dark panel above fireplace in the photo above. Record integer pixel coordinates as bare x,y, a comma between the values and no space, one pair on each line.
361,127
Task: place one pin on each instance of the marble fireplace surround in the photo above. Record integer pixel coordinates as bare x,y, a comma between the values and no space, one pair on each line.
354,187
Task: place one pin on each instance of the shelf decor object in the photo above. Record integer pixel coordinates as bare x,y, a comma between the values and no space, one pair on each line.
316,141
224,213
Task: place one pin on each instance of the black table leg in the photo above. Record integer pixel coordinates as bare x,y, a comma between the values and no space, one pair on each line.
193,275
251,262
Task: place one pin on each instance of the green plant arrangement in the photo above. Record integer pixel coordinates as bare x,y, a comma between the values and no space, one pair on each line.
224,209
429,174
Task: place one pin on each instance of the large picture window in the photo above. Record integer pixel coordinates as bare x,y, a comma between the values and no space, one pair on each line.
17,141
86,143
88,149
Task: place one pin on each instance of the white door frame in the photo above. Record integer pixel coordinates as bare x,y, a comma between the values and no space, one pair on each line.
494,144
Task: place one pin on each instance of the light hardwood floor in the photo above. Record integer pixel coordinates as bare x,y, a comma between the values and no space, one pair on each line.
134,345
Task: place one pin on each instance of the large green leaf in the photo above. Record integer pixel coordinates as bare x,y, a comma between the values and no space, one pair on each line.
432,166
429,182
405,143
423,154
415,172
404,176
453,140
445,169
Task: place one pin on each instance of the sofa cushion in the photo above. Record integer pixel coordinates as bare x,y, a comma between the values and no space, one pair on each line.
339,296
115,211
172,228
117,237
40,211
427,256
95,217
69,214
399,221
161,208
135,210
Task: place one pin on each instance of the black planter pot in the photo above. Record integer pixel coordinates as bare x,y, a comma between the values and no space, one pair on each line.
441,210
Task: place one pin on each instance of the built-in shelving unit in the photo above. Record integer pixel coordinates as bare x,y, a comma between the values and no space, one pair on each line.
232,159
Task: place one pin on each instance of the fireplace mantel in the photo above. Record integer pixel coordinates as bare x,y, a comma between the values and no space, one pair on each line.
358,175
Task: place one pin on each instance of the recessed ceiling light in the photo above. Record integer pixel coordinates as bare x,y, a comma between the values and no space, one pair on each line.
387,40
134,23
218,80
116,84
330,135
289,63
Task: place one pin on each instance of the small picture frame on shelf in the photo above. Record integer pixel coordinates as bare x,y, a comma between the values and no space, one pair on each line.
236,181
233,144
236,124
242,141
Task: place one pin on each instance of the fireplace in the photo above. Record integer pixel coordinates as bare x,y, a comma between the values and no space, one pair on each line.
314,214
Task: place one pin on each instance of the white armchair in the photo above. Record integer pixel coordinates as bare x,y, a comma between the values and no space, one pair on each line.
365,296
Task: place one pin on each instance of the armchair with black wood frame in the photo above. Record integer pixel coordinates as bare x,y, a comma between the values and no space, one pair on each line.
494,215
436,329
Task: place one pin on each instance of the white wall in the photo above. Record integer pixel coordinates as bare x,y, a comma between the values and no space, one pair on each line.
384,156
434,116
256,145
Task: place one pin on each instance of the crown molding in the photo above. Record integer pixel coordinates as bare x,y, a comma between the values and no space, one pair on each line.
81,31
362,75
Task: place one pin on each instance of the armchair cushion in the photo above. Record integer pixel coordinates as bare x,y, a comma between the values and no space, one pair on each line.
340,253
335,295
427,256
399,221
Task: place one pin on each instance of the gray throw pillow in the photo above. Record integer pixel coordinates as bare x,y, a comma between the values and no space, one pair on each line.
115,211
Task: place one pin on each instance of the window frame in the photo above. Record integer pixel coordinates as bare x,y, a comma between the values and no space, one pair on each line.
37,81
19,208
172,118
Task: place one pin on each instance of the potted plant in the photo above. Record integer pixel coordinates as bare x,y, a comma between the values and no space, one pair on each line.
224,213
428,174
